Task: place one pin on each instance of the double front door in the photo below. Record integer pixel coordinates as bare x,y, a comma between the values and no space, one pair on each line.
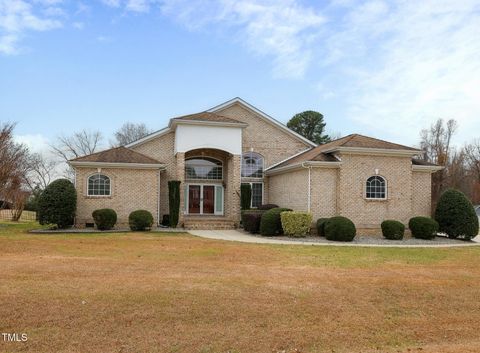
204,199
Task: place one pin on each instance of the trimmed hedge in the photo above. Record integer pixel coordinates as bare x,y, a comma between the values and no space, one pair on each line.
456,216
321,226
267,206
245,196
251,220
57,204
340,229
271,223
173,202
393,230
296,224
104,218
423,227
140,220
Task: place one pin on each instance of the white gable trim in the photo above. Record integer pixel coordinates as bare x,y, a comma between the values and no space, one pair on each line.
287,159
266,117
147,138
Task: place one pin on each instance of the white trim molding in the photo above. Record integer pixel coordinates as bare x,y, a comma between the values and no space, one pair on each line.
147,138
263,115
174,122
117,165
373,151
301,165
426,168
288,158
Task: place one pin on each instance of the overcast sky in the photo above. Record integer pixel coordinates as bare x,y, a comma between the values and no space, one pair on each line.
380,68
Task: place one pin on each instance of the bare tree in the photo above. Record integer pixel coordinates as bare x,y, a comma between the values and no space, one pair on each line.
76,145
472,153
14,167
41,171
436,144
128,133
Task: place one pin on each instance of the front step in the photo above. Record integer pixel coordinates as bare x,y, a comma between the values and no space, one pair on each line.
209,223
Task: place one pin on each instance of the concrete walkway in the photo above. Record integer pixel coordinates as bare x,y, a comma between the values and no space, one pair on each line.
235,235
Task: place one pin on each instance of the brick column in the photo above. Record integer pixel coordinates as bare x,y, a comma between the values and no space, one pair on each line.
232,192
181,176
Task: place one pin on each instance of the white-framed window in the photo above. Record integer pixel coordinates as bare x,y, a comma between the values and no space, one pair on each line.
205,168
257,194
252,165
376,188
99,185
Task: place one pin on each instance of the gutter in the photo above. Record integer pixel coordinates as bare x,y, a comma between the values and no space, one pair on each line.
299,165
118,165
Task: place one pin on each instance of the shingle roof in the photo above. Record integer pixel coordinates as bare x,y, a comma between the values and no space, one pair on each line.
117,155
354,140
416,161
206,116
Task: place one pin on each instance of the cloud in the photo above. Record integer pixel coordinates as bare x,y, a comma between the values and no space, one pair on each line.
404,64
36,143
18,17
283,30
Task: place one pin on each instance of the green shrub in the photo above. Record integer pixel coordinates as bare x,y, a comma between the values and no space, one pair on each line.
393,230
166,220
174,201
267,206
104,218
321,226
456,216
423,227
340,229
140,220
296,224
251,220
245,196
271,223
57,204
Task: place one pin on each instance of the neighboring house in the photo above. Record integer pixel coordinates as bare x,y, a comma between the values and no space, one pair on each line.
213,152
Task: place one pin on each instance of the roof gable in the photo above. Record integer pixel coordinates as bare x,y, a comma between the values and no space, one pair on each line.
263,116
117,155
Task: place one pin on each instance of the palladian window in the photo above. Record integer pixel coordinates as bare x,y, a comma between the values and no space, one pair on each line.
203,168
252,165
376,188
99,185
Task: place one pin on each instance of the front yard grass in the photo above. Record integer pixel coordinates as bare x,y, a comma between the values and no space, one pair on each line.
161,292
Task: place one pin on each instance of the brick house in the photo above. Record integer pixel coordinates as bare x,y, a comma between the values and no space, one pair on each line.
213,152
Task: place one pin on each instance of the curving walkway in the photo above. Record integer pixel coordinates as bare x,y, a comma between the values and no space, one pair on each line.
236,235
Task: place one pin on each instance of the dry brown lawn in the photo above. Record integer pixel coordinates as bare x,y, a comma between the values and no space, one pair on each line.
177,293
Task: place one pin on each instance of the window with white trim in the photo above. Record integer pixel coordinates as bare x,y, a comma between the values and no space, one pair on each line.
252,165
99,185
376,188
203,168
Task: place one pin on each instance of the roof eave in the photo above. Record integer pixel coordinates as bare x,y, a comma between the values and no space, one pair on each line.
426,168
86,164
149,137
173,123
374,151
302,165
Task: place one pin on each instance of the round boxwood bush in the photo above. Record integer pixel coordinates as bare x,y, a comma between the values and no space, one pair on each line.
456,216
393,230
340,229
267,206
251,220
140,220
104,218
271,223
423,227
57,204
321,226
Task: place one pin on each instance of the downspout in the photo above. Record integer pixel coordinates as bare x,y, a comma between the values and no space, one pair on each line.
304,165
158,198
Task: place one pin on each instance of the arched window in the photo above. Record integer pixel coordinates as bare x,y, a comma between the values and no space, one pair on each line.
252,165
376,188
99,185
203,168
